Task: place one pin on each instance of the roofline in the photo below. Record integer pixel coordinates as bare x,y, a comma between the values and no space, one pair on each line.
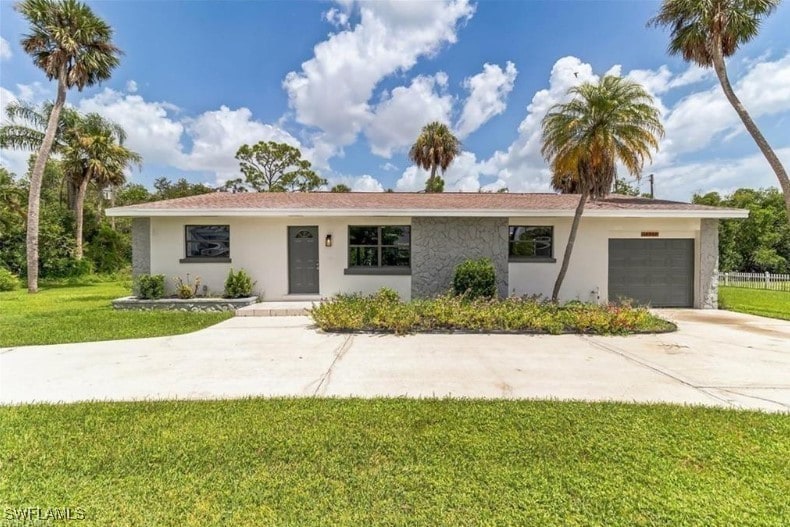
133,212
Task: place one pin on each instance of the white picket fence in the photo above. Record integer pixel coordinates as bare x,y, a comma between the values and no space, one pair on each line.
775,282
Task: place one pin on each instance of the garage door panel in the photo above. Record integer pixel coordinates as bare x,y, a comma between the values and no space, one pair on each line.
655,272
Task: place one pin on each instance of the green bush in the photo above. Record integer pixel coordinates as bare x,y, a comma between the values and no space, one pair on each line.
475,279
8,280
383,311
66,267
150,286
109,250
238,285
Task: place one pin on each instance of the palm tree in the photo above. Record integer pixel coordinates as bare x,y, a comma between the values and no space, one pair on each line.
94,153
436,147
73,46
705,32
607,122
26,125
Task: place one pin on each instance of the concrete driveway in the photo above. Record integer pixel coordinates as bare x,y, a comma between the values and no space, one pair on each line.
717,358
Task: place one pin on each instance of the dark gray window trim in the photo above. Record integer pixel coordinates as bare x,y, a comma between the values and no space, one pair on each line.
531,259
205,259
377,271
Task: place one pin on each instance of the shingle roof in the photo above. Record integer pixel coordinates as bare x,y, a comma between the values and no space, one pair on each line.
393,202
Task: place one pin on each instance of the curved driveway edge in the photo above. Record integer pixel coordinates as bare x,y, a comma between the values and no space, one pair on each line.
716,358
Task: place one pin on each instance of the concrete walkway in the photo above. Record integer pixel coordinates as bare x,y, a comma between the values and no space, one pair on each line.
717,358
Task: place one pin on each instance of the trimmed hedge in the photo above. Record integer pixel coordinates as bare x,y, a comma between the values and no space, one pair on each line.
475,279
150,286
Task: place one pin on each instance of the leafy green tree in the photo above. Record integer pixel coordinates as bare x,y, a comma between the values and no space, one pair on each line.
56,226
758,243
705,32
233,185
12,196
607,122
340,187
132,193
166,189
94,153
277,167
436,147
73,46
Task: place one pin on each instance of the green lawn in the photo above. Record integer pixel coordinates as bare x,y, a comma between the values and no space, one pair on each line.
309,462
83,313
774,304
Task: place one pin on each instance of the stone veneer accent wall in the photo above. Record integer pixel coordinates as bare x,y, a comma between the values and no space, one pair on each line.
141,246
438,245
708,294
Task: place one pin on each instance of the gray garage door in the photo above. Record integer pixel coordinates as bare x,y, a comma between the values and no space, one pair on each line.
656,272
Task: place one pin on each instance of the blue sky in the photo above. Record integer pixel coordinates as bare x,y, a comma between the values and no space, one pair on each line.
351,83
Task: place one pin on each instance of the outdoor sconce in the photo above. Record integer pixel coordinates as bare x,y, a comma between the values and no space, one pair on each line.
328,240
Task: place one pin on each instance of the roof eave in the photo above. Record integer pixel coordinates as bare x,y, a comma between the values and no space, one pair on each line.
133,212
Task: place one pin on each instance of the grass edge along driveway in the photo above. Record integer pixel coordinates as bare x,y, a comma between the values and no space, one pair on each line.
396,462
83,313
772,304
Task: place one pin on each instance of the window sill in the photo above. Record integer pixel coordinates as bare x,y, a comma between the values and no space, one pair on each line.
206,259
377,271
527,259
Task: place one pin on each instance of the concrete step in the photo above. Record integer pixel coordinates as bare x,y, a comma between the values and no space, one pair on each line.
275,309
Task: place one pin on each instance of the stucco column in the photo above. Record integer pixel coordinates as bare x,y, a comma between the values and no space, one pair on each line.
708,292
141,246
439,244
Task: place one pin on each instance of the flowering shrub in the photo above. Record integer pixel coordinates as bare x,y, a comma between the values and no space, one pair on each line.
384,311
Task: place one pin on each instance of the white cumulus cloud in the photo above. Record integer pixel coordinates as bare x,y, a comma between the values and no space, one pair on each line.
702,116
397,119
5,49
332,90
463,175
488,93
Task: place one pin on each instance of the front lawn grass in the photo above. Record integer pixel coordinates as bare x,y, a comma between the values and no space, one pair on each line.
82,313
774,304
396,462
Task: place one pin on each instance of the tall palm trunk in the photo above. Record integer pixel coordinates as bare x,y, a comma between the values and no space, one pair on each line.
566,258
36,179
431,179
721,72
112,204
79,210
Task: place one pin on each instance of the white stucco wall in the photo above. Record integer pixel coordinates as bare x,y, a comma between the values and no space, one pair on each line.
588,272
260,247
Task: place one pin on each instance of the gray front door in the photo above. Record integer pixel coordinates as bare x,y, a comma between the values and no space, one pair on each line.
303,260
659,272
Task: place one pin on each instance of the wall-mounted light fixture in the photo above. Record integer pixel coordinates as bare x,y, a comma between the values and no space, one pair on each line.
328,240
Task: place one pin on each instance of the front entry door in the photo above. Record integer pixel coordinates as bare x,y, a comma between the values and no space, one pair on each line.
303,260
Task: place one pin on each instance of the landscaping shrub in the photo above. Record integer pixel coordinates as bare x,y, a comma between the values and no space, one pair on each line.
475,279
383,311
150,286
185,289
109,250
8,280
238,285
